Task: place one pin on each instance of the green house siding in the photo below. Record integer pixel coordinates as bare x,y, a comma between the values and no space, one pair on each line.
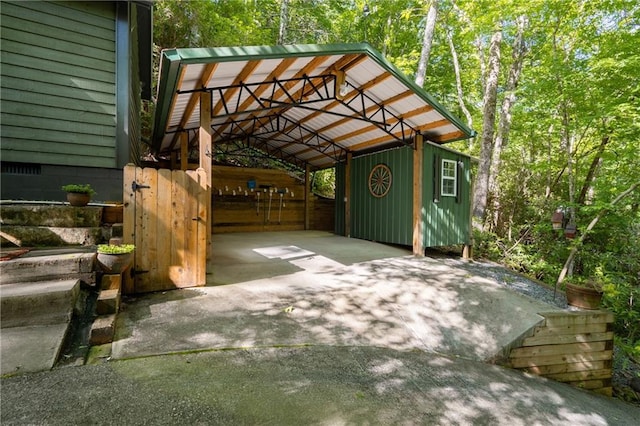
386,219
446,218
58,85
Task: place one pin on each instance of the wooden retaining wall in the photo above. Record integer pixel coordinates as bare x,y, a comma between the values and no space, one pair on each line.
570,347
236,208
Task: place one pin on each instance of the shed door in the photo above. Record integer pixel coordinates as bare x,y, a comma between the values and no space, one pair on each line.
165,216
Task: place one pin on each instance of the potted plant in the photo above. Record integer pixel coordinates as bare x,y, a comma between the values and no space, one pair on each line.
586,294
78,195
115,258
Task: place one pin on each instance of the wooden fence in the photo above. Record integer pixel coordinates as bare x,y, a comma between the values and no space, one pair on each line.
570,347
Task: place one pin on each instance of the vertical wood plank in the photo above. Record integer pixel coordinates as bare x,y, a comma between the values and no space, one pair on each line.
129,217
191,228
164,226
148,260
418,224
129,205
204,233
178,243
139,240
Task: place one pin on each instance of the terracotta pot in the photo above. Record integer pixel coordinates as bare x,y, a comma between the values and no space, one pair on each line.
583,297
78,199
114,263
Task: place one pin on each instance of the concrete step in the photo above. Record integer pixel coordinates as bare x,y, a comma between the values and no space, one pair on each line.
31,348
38,303
30,236
53,264
57,216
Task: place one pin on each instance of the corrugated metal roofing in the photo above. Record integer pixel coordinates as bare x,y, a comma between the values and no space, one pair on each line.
304,104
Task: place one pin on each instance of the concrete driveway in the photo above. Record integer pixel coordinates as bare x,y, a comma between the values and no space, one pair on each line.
308,328
315,288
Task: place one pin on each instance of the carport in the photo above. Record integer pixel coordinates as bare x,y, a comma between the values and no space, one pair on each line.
310,106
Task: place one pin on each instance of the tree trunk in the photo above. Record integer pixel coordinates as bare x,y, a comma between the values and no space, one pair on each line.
456,69
489,115
591,225
284,17
427,41
592,170
504,123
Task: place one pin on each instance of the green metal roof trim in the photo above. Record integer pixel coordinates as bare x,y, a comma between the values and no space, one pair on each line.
173,60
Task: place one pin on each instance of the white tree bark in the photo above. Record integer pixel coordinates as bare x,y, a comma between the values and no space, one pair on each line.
284,17
504,122
456,70
489,115
427,41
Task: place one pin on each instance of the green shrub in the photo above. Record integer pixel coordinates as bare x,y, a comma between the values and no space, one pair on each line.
79,188
115,249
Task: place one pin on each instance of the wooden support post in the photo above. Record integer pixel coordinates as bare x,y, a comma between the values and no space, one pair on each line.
418,208
206,158
467,250
174,160
307,198
184,151
347,196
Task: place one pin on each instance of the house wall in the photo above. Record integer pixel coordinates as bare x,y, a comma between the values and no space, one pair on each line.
389,219
70,89
58,83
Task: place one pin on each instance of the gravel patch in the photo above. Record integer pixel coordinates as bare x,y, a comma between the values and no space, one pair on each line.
510,279
625,369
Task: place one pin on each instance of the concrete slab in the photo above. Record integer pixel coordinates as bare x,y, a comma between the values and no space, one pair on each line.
30,348
302,386
348,293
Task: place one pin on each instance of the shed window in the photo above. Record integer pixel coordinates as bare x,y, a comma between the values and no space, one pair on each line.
449,178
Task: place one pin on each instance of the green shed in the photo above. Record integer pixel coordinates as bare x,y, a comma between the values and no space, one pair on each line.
382,192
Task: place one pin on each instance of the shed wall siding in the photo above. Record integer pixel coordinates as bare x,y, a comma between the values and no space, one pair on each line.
386,219
58,83
446,222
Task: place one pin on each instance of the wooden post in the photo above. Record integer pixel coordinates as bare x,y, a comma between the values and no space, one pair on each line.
205,142
347,196
307,198
174,160
184,151
467,249
418,208
206,157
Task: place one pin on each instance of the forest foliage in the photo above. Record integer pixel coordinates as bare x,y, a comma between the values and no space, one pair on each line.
561,133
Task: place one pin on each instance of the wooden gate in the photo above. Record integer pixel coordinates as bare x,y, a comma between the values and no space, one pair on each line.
165,216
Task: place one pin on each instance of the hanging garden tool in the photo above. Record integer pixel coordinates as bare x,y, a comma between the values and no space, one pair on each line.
269,211
258,203
281,192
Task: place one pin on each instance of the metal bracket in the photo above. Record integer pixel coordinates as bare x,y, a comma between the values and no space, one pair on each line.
135,272
136,186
